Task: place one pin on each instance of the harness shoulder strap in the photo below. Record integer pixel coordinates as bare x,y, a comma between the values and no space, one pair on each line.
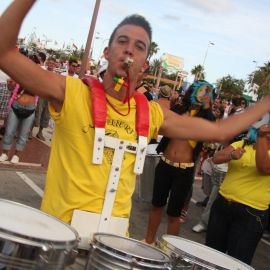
98,100
142,128
99,119
142,114
99,107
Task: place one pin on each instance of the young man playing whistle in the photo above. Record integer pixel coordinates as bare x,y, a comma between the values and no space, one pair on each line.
101,132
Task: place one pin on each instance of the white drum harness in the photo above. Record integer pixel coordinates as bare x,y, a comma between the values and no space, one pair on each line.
119,146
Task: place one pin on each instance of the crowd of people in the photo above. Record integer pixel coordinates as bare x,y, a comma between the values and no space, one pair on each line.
20,111
95,147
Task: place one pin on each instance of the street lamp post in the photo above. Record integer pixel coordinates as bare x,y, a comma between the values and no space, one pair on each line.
204,59
206,52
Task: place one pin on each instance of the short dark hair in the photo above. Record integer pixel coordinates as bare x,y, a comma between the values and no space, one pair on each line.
236,101
243,101
137,20
34,58
24,51
42,56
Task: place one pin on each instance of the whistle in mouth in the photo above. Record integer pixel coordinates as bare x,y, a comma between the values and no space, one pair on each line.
128,62
119,83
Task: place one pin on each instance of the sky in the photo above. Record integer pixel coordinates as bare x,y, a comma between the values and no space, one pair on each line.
185,28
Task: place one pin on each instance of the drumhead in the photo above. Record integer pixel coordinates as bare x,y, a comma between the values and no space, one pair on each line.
202,252
24,221
131,247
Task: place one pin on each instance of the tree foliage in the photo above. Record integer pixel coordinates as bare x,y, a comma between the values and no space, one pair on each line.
153,49
261,77
154,66
230,87
198,72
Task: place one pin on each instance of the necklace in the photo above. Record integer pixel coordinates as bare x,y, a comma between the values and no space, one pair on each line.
123,114
99,107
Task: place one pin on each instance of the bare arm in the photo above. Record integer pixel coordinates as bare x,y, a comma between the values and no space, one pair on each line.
262,156
40,82
185,127
227,154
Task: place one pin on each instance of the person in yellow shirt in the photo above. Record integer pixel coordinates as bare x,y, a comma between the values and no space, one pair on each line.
239,214
73,181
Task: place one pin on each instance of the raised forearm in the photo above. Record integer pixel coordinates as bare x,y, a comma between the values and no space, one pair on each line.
235,124
184,127
223,156
10,23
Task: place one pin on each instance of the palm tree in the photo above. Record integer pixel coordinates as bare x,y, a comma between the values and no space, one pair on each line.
198,72
266,72
261,77
153,49
154,66
230,86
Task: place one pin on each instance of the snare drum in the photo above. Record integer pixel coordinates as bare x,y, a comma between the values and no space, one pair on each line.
111,252
186,254
31,239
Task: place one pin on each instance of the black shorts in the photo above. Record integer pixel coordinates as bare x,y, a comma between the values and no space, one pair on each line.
172,181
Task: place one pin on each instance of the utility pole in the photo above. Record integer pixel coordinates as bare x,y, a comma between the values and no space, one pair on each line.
85,60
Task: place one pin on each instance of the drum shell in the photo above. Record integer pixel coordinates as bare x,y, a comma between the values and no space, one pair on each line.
32,239
185,260
102,257
19,253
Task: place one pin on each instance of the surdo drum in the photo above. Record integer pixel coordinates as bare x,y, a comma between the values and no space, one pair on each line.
186,254
109,252
31,239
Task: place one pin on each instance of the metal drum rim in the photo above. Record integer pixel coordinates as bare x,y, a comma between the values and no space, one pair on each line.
110,250
201,262
52,243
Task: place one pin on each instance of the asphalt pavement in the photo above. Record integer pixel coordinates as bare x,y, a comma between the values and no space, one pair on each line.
24,183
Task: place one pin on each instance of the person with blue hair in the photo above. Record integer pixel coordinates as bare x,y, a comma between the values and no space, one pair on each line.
174,173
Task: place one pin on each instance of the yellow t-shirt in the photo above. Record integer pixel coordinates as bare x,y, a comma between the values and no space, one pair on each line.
73,182
244,184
